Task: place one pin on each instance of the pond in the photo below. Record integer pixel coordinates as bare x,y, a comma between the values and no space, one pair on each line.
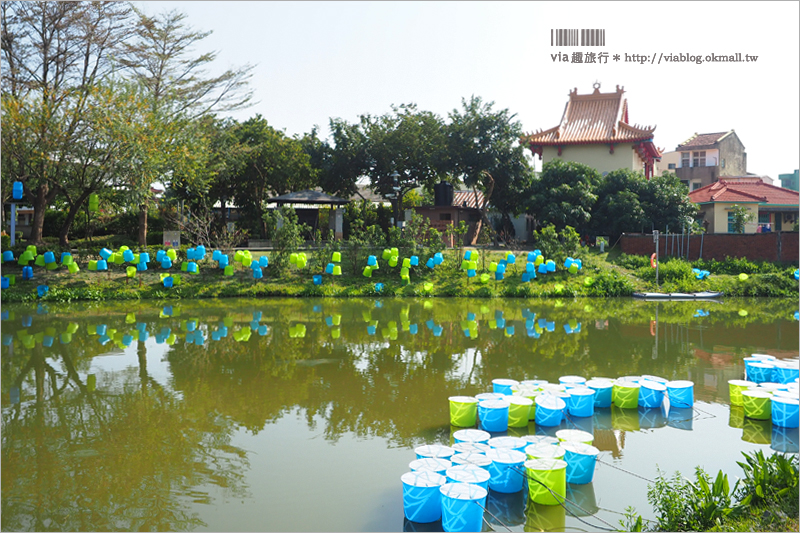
302,414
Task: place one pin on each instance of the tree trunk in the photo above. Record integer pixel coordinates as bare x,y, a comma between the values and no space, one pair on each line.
143,225
44,195
63,233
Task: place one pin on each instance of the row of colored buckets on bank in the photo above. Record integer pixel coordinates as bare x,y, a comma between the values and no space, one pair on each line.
515,403
452,483
770,390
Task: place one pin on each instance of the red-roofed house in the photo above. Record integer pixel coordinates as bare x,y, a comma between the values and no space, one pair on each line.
704,158
595,131
771,205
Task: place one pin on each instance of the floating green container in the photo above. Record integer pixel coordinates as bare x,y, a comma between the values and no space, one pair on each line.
547,481
627,394
736,386
519,411
757,404
463,411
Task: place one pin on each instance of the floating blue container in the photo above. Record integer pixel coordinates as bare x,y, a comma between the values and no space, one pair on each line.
493,415
472,458
581,401
433,464
785,411
503,386
581,459
471,436
422,501
462,506
651,393
434,450
760,372
572,381
603,389
786,371
506,470
549,410
468,473
190,254
681,393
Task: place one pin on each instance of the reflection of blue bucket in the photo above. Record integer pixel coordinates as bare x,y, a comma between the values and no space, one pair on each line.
602,388
651,418
580,458
549,410
581,401
785,412
581,500
493,415
422,501
681,394
651,393
506,470
503,386
434,450
476,459
506,509
602,418
471,435
785,440
469,474
680,418
462,506
434,464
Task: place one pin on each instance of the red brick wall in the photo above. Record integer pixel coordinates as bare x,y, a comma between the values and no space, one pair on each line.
781,246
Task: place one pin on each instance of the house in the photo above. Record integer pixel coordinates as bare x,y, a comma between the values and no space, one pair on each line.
451,208
704,158
595,130
790,181
771,205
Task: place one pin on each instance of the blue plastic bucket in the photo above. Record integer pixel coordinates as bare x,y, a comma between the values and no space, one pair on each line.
490,396
572,381
471,435
759,372
651,393
507,472
785,412
434,450
580,458
475,459
469,474
549,410
681,393
493,415
434,464
602,389
581,401
503,386
657,379
422,501
462,506
786,371
508,443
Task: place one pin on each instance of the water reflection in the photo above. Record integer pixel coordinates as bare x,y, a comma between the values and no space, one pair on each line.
122,416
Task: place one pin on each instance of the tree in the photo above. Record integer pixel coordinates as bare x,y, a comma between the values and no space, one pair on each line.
54,55
666,202
273,164
177,90
618,208
338,165
741,217
486,155
564,194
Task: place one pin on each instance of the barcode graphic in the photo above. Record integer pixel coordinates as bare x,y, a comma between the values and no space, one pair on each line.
575,37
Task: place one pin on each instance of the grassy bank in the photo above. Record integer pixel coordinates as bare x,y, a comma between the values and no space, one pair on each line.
602,275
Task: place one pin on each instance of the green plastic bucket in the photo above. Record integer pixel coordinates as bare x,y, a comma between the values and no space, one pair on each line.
547,481
519,411
574,435
757,404
626,394
736,386
463,411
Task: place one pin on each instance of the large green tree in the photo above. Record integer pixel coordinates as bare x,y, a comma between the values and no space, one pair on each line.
341,161
618,208
666,203
564,194
485,153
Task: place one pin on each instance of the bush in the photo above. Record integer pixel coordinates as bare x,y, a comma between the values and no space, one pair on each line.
610,283
633,262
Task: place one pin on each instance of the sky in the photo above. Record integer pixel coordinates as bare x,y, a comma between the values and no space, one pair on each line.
320,60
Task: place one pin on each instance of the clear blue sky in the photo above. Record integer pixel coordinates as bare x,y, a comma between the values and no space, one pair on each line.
317,60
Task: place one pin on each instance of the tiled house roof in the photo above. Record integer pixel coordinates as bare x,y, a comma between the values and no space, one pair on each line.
744,190
593,118
467,199
702,140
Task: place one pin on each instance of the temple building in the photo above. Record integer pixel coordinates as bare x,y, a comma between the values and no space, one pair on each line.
595,131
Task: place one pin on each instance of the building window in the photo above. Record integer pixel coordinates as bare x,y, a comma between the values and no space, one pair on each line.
684,159
699,159
685,183
671,166
763,218
723,163
730,223
696,185
445,216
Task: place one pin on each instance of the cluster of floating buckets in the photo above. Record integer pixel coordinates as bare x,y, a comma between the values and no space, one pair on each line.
452,483
769,390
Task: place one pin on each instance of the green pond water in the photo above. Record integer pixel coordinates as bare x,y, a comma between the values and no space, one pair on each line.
302,414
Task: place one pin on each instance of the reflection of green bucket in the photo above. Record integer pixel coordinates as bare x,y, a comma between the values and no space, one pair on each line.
584,499
519,411
626,394
736,418
625,419
463,411
552,473
757,431
736,386
757,404
545,517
